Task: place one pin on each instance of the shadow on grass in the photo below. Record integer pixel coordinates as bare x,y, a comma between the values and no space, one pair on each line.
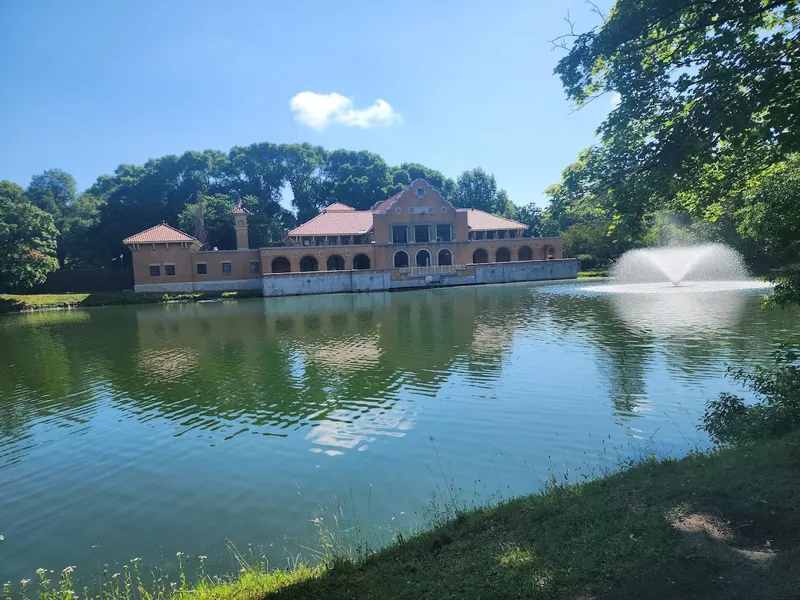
725,525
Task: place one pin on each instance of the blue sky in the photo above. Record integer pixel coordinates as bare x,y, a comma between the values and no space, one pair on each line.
90,85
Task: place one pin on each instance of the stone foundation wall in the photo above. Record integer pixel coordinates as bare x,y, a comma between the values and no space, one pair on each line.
332,282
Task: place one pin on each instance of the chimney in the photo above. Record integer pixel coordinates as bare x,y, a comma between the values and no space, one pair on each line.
240,222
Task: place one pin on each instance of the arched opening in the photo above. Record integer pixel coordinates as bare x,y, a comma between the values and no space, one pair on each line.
502,255
525,253
445,257
281,264
335,263
400,259
361,261
550,252
423,258
480,256
308,263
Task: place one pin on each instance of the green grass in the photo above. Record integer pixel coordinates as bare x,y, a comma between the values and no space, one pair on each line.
30,302
593,273
719,525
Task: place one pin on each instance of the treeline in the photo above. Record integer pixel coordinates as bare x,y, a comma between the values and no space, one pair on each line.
49,224
703,142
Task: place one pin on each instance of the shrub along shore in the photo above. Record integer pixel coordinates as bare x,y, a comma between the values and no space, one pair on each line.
723,524
10,303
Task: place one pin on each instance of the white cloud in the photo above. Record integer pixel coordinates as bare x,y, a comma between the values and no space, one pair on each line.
616,98
320,110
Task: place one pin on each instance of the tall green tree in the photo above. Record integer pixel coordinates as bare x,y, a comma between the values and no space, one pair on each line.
478,189
708,94
530,215
211,221
403,175
27,240
53,191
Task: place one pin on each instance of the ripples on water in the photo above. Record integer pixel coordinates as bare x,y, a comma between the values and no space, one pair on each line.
140,431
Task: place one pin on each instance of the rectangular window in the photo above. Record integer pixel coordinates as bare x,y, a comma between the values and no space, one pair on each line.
357,239
490,235
306,241
333,240
319,241
345,240
169,270
255,266
155,271
227,268
202,268
501,235
444,233
422,233
512,234
399,234
478,235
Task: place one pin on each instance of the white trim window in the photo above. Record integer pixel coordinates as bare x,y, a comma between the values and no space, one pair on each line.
202,268
169,269
155,271
227,268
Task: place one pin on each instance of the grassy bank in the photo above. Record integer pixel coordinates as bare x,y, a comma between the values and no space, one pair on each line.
593,273
10,303
718,525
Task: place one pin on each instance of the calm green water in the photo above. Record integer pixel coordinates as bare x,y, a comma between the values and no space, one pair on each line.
141,431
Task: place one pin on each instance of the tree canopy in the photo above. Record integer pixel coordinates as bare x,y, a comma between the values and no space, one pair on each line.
197,191
708,102
27,239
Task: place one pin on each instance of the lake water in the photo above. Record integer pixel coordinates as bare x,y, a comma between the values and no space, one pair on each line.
142,431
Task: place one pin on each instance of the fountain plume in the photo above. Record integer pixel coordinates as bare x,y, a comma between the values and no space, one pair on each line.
676,264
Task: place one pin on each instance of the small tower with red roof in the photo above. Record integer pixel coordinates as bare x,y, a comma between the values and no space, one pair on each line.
240,222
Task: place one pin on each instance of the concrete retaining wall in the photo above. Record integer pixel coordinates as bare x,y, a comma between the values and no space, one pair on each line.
326,282
332,282
534,270
221,285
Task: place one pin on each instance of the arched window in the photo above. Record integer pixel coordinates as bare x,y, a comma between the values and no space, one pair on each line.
308,263
361,261
445,257
550,253
502,255
281,264
423,258
480,256
400,259
335,263
525,253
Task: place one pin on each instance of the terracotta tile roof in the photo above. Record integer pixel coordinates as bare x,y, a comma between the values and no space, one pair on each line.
354,222
240,209
384,205
159,234
483,221
338,207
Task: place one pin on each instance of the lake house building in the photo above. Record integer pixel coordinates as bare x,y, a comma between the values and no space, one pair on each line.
416,238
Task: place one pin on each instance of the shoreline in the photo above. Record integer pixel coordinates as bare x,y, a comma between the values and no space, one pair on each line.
715,524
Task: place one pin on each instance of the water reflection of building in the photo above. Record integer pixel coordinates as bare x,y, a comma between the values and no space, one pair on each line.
326,361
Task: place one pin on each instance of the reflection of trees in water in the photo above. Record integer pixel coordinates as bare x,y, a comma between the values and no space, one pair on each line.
623,353
275,365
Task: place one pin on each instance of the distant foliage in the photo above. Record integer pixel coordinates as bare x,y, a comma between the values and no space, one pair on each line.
775,412
704,127
27,240
196,190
